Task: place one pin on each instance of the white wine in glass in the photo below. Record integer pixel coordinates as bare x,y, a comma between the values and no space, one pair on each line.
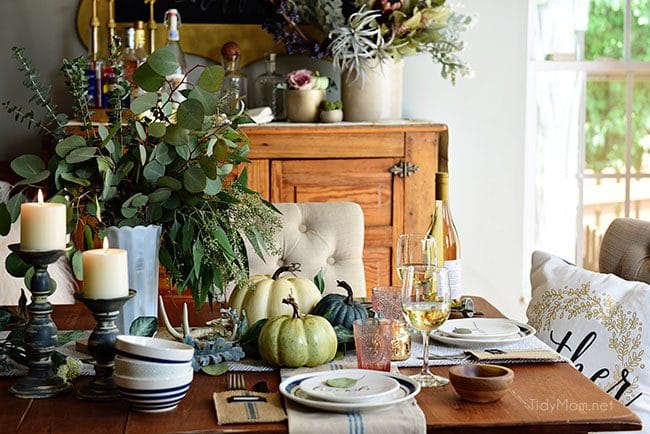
415,249
426,302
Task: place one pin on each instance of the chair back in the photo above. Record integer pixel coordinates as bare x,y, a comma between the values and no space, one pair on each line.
324,236
625,250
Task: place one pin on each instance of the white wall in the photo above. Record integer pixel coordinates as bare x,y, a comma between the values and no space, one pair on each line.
47,30
486,118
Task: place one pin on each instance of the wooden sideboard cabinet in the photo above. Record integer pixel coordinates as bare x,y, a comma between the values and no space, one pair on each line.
359,163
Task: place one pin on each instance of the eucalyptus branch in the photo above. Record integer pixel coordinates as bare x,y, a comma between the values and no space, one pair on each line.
180,83
77,82
20,116
41,93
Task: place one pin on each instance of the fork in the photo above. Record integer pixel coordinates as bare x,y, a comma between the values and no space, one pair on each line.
236,381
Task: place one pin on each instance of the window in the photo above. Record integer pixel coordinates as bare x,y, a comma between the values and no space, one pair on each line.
588,123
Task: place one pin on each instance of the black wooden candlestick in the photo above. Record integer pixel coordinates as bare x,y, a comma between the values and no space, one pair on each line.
40,334
101,346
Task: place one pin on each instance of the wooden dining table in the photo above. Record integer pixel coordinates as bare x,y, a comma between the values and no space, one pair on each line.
544,398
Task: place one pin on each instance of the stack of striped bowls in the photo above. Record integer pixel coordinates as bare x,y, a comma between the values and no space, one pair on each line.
152,375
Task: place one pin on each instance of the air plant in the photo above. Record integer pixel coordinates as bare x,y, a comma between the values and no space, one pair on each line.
360,44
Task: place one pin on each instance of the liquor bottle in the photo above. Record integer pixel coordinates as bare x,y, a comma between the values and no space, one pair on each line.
444,231
140,43
93,69
109,78
130,61
175,79
235,82
270,88
108,74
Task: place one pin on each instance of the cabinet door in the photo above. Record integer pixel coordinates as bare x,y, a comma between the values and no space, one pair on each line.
367,182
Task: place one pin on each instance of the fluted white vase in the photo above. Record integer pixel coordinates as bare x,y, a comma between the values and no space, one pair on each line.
142,244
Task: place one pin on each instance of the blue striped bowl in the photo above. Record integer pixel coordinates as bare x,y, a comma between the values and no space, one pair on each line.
154,395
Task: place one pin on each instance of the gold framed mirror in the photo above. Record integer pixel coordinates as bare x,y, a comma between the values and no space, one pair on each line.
201,39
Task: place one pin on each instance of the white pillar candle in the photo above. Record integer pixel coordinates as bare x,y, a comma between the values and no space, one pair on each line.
42,225
105,273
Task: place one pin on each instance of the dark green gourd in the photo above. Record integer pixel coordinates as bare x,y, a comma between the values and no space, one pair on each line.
340,309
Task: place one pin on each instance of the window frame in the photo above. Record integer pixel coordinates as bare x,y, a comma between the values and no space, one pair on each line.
628,70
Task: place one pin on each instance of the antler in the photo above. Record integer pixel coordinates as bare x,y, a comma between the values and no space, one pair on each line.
172,331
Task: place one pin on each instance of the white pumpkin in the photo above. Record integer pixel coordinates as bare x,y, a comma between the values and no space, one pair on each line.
263,298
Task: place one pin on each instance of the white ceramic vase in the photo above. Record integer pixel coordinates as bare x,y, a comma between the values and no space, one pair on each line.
142,244
375,95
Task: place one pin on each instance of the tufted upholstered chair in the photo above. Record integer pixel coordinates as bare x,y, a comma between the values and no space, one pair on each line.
625,250
327,236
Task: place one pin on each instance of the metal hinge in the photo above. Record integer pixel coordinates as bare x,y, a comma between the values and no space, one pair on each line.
404,169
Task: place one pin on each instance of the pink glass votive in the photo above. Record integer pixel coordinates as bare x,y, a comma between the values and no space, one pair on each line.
372,339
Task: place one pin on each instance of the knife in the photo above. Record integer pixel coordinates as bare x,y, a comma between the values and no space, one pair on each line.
244,398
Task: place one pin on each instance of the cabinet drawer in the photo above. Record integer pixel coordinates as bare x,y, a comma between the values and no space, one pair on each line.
337,145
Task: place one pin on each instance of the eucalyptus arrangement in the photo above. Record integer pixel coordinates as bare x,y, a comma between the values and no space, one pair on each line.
364,33
172,159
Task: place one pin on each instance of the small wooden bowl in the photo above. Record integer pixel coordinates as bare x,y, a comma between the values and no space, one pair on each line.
481,383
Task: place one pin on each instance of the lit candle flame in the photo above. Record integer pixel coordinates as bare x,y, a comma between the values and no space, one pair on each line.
40,196
105,245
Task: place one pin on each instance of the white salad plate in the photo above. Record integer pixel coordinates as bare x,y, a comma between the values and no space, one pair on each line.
290,388
479,328
525,332
366,385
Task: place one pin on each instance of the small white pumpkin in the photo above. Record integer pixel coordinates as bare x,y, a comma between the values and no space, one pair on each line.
263,299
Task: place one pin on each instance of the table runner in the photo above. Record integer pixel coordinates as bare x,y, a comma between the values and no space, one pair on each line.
249,365
404,418
350,358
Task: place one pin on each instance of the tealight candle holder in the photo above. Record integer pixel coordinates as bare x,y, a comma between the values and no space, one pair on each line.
101,345
40,333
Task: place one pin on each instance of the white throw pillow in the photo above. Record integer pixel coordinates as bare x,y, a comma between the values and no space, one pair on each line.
600,321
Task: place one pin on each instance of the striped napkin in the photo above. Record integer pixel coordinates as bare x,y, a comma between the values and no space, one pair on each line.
248,412
404,418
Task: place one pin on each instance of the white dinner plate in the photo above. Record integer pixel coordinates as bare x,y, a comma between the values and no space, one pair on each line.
525,332
479,328
290,388
368,385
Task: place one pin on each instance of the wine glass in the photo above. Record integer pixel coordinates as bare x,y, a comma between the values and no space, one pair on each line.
415,249
426,303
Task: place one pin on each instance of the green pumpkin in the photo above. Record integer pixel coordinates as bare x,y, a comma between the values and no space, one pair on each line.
340,309
292,341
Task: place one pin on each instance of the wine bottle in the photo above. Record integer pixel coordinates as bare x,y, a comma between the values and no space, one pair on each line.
444,231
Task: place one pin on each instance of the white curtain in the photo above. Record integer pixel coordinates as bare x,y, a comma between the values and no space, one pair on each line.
557,162
557,29
558,26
